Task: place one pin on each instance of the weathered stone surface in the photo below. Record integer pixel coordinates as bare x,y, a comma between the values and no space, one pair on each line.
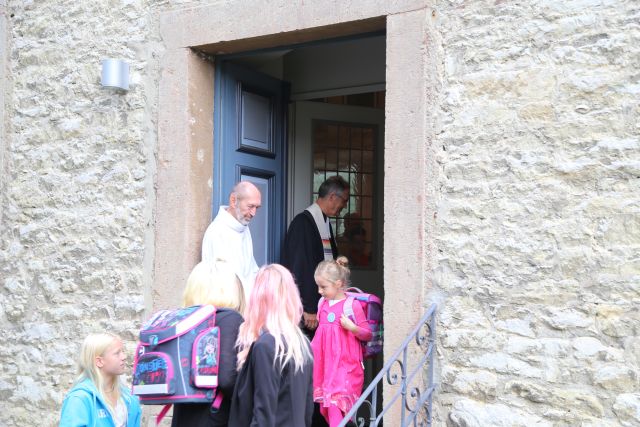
579,401
616,377
477,384
592,348
76,191
536,240
471,413
505,364
627,408
617,321
538,215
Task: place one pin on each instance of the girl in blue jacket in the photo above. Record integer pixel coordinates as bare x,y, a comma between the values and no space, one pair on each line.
98,397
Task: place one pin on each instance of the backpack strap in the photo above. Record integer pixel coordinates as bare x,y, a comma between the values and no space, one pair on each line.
162,413
215,407
348,309
217,402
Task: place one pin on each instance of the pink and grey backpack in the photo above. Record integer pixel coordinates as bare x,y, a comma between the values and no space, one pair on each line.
372,308
177,358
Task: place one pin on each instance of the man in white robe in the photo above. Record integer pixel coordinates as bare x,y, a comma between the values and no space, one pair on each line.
228,236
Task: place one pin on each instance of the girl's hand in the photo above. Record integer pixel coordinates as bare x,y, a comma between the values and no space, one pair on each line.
347,323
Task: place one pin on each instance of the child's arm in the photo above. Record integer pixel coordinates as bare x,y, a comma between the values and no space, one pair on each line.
360,330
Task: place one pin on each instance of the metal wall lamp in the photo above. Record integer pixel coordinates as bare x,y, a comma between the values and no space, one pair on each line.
115,74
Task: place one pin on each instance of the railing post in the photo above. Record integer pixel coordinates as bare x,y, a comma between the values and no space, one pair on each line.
404,385
430,369
408,376
374,406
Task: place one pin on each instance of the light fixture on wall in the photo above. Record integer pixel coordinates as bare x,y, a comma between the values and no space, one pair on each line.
115,74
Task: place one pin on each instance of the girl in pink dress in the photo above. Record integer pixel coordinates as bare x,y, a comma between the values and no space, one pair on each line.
338,372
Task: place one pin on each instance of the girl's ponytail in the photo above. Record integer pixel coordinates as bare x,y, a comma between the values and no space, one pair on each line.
342,261
335,270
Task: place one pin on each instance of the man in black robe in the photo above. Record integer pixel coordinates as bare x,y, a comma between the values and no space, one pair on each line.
310,240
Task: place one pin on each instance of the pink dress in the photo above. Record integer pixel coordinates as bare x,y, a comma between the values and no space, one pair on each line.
338,373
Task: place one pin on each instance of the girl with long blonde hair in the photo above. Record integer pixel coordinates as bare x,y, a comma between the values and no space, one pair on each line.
216,284
274,386
98,397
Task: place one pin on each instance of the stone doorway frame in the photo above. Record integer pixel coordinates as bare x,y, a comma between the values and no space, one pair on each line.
185,154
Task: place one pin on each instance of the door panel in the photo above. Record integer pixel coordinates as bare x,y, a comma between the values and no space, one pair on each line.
249,145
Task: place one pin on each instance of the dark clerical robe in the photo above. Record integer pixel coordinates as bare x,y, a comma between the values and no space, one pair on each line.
302,253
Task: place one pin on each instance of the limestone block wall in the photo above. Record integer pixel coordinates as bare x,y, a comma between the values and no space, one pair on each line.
534,257
77,193
538,224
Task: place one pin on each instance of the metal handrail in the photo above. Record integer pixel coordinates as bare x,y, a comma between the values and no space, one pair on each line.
422,398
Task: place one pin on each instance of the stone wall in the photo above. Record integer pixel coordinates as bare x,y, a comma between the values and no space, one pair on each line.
539,216
77,194
537,233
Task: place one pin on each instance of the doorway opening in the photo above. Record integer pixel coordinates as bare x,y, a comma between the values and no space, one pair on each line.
288,118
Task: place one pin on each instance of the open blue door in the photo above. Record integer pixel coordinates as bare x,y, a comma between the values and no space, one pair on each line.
249,144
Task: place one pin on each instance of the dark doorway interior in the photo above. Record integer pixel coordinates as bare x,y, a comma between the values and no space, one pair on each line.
334,124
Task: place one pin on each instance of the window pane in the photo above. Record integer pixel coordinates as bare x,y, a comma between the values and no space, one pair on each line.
318,160
368,138
368,228
367,161
318,178
344,175
332,135
343,136
356,160
356,138
320,135
353,241
344,163
367,207
356,187
331,156
347,150
366,188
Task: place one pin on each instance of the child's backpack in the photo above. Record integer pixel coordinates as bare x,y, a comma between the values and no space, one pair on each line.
177,358
372,308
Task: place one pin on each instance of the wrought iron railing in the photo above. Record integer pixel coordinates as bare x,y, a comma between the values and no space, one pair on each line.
413,390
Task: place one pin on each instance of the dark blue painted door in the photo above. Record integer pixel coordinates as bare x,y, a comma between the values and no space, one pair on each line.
249,144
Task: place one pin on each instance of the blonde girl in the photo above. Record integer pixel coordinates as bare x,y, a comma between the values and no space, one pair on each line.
274,386
338,373
216,284
98,397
